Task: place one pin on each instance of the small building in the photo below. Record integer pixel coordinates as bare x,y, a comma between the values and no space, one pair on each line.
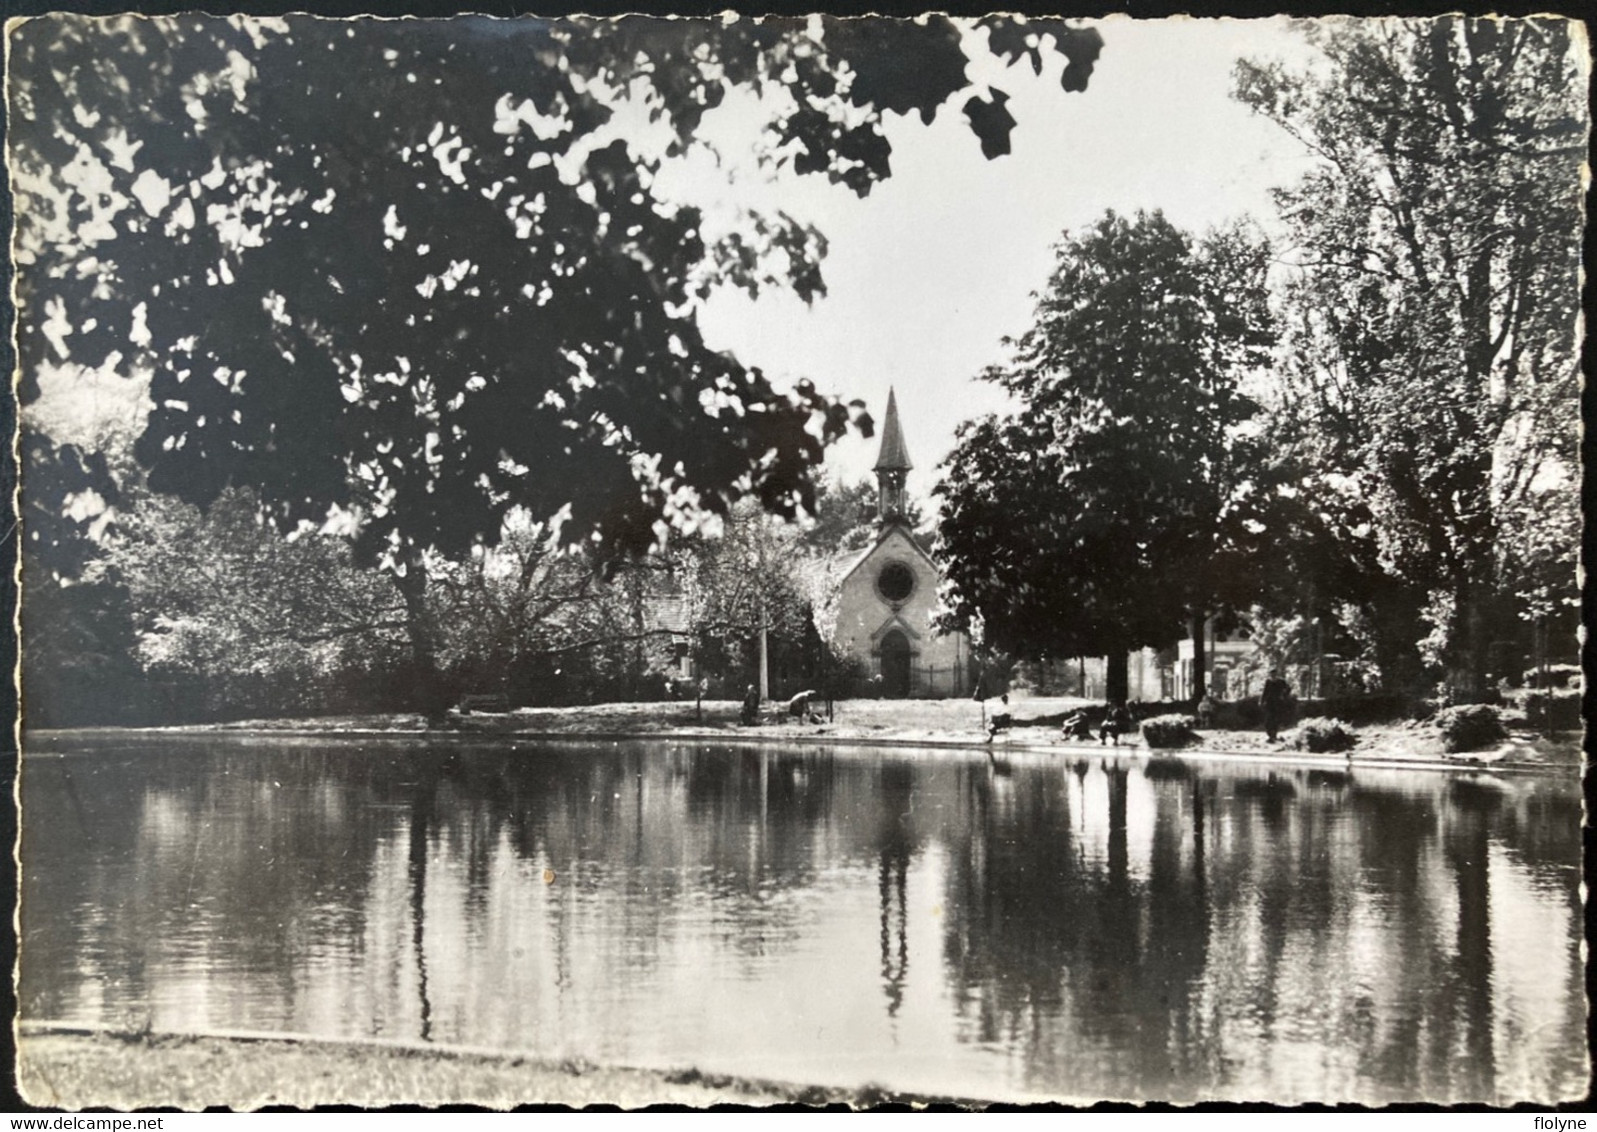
888,594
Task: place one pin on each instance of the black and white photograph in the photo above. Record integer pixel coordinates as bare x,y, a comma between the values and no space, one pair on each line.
798,561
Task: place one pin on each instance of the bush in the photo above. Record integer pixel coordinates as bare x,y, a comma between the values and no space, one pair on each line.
1319,735
1238,715
1558,676
1169,730
1558,708
1470,727
1361,709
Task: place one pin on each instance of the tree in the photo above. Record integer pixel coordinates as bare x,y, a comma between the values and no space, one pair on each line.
846,518
744,584
1113,506
1431,358
447,290
521,613
1323,573
78,635
239,619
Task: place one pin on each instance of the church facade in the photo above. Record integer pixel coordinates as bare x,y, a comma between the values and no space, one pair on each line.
888,595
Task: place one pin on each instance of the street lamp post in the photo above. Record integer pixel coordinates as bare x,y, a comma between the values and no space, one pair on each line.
765,657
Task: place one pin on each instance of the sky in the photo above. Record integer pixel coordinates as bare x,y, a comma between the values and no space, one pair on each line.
929,273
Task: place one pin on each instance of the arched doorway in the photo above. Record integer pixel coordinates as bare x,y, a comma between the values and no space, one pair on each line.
895,664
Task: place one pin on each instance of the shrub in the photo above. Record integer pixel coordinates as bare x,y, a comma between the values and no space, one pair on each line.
1169,730
1470,727
1558,676
1237,715
1319,735
1558,708
1363,708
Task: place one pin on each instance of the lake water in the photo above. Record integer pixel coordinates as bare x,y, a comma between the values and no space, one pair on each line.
917,920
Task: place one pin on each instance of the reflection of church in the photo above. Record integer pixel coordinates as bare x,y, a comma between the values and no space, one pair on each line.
889,594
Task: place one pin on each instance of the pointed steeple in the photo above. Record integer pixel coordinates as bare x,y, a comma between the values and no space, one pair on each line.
892,465
894,456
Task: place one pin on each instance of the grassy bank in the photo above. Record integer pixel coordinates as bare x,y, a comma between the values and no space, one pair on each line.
916,722
59,1068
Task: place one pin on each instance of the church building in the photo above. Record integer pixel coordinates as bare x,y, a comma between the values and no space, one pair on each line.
889,594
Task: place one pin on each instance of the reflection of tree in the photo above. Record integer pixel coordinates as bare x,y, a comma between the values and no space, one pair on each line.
1362,921
897,844
1064,951
248,860
1466,848
740,826
1118,933
1270,909
1011,903
1395,855
422,805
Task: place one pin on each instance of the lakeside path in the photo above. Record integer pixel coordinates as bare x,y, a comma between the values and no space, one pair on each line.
75,1067
952,724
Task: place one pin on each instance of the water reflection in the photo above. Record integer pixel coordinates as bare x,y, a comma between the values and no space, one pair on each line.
1103,928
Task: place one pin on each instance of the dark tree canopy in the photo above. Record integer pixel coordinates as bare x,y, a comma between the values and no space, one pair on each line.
413,275
441,290
68,492
78,633
1110,506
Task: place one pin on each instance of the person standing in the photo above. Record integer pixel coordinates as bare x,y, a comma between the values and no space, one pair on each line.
1276,699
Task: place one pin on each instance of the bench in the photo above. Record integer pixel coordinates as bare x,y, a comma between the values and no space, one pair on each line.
484,701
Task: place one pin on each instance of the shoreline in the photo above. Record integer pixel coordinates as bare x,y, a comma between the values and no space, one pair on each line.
73,1066
1007,745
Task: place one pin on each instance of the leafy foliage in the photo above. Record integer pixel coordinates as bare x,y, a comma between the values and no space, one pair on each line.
78,634
69,496
1554,708
1431,369
1555,676
846,517
1108,507
752,573
448,290
219,592
435,294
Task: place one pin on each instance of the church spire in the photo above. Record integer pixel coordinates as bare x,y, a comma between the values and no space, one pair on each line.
894,456
892,465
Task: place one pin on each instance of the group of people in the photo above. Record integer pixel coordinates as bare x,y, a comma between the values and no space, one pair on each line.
1116,722
1275,700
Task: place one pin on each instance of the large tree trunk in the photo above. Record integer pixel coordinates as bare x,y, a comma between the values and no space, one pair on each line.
1199,674
428,692
1467,662
1117,676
